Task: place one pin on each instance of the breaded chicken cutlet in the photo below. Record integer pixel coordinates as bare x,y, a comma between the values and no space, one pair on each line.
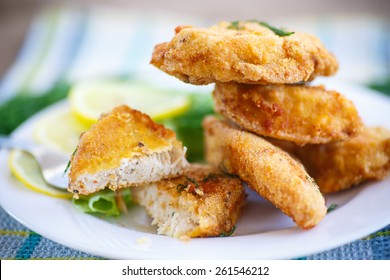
298,113
247,52
203,202
341,165
124,148
268,170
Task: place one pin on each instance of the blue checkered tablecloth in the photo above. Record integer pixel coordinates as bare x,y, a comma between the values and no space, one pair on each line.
18,242
71,45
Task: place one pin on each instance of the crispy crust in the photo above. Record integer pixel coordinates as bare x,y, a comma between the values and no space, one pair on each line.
123,133
339,166
215,203
268,170
301,114
251,55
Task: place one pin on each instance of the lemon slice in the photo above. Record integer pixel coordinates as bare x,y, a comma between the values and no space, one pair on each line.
25,168
59,130
91,99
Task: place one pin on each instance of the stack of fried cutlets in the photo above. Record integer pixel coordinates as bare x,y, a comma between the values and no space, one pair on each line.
274,126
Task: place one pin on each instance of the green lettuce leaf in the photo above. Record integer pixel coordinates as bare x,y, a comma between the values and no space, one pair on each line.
102,202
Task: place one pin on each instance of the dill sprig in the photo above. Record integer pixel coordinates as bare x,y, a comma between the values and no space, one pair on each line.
181,187
210,177
279,32
68,165
192,180
332,207
229,233
226,172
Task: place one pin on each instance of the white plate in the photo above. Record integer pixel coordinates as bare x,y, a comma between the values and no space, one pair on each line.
263,232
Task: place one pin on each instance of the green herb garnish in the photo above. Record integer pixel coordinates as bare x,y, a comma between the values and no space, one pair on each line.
68,165
209,177
192,181
382,86
377,234
181,187
229,233
331,208
234,25
280,32
188,188
10,114
277,31
226,172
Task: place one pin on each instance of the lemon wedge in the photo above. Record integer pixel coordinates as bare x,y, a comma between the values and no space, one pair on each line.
25,168
59,130
91,99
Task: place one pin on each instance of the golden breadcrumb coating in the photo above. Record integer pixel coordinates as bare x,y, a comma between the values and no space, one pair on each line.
268,170
203,202
298,113
120,139
341,165
250,54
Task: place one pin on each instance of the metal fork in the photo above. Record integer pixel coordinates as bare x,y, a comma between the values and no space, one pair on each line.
51,162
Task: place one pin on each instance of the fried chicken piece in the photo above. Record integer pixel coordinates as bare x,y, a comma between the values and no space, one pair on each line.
341,165
246,52
203,202
297,113
124,148
268,170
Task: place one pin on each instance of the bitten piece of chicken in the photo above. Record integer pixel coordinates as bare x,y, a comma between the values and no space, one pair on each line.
203,202
124,148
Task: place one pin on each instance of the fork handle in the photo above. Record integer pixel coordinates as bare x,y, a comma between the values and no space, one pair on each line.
9,143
